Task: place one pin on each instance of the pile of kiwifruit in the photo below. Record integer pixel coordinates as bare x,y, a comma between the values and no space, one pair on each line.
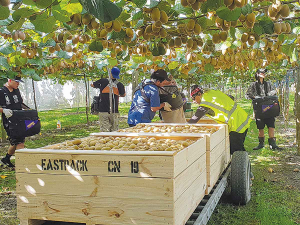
123,144
169,129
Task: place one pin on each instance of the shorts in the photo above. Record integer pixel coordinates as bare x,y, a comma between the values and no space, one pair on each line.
261,123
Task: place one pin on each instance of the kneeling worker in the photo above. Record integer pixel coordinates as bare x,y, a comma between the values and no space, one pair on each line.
222,109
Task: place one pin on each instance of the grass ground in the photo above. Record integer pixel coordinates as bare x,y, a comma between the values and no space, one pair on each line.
275,196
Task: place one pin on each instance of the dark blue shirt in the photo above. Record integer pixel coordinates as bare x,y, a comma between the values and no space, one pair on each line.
140,110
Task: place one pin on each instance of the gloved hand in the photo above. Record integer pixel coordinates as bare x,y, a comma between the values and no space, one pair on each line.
257,97
7,112
167,107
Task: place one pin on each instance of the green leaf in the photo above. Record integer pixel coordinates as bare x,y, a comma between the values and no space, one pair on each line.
96,46
11,74
165,6
60,14
28,2
104,10
138,15
251,65
4,12
124,16
258,29
22,13
36,77
139,23
16,25
208,67
6,49
3,63
153,3
140,3
173,65
246,9
63,54
211,5
232,32
227,14
180,9
20,61
112,62
116,35
71,7
267,25
44,3
202,22
138,59
44,23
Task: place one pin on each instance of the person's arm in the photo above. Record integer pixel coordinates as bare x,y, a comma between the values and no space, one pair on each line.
154,109
272,90
201,111
121,88
250,94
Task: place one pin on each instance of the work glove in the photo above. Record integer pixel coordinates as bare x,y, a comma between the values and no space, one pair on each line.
7,112
257,97
167,107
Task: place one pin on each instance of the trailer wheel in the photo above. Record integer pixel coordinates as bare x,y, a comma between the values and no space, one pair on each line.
240,178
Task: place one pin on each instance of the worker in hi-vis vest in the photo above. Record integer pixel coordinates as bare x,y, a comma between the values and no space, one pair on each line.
222,109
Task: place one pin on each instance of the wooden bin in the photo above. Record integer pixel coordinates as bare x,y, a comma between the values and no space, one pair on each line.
111,187
217,149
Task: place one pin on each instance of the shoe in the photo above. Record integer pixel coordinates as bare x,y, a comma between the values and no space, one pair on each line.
272,144
261,143
6,162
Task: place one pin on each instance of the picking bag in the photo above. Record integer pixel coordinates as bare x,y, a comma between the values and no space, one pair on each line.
95,105
266,107
24,123
171,95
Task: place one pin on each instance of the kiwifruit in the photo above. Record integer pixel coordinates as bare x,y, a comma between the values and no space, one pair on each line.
104,43
223,35
57,47
251,17
284,11
30,54
140,32
51,49
226,23
82,39
60,37
189,43
271,12
95,24
163,17
232,6
191,2
116,26
242,18
75,40
148,29
163,33
157,24
177,42
21,35
77,18
233,23
197,29
228,2
103,33
219,22
155,14
171,43
183,39
288,28
191,24
251,40
129,32
216,38
277,28
200,42
127,39
239,3
184,3
249,24
195,45
244,37
86,18
5,2
68,48
15,35
283,27
196,6
108,24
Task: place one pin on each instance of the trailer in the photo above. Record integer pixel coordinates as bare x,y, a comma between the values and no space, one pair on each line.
90,186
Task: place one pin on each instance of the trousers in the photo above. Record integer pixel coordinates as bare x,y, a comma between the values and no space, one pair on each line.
108,122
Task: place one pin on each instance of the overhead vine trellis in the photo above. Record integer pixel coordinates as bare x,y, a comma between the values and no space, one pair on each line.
195,40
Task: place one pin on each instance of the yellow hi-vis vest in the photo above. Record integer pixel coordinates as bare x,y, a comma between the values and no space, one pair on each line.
226,111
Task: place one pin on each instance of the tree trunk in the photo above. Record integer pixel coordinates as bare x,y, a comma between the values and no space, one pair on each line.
298,111
86,100
286,98
135,80
34,99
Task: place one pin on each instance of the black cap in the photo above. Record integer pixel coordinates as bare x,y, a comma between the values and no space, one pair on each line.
160,75
18,79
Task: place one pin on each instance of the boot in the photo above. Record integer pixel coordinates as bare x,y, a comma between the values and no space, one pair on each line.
261,143
272,143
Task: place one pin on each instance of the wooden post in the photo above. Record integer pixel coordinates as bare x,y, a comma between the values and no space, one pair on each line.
86,100
135,80
34,94
298,110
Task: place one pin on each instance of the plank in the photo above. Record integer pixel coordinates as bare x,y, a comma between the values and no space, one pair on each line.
215,171
121,187
97,210
213,154
98,165
189,200
190,154
184,180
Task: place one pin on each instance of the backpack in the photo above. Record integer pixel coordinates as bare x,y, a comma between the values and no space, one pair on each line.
141,87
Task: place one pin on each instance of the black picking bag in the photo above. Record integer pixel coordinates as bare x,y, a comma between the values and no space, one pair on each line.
171,95
95,105
24,123
266,107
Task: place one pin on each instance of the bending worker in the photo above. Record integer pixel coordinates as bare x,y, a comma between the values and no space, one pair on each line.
146,99
222,109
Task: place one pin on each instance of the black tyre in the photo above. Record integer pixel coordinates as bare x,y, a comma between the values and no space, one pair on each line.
240,178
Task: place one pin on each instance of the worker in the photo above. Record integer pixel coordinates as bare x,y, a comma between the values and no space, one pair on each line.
109,118
222,109
146,99
257,91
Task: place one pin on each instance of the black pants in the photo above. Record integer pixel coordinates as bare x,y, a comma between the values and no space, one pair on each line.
237,141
